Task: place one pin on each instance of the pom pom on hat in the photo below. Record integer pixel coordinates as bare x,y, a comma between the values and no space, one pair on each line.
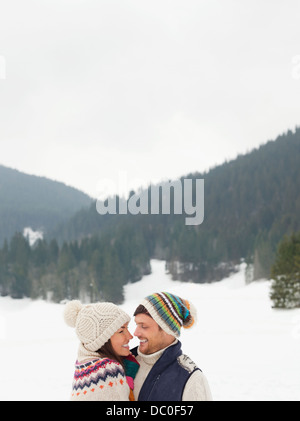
170,312
71,312
192,320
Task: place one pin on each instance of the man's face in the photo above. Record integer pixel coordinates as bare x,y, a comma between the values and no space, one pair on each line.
151,337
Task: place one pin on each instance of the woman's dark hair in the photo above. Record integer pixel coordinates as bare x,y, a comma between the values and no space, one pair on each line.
107,351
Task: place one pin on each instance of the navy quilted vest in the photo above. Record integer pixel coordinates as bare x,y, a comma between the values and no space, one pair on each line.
167,378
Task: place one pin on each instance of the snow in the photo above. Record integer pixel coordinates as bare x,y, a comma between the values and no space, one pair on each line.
246,349
32,236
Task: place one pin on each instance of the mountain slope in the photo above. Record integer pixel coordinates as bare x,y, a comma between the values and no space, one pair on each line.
28,200
250,203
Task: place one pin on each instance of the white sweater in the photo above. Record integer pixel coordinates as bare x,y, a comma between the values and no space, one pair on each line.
196,388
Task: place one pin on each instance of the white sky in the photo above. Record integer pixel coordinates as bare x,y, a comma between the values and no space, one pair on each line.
94,90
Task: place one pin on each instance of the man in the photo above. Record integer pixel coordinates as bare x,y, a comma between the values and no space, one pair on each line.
165,373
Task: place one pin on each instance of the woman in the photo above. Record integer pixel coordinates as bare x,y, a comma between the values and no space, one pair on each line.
105,368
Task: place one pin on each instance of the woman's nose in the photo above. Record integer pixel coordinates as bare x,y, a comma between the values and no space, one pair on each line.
129,335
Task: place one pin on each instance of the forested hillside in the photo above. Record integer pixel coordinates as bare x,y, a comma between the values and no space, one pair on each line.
250,204
36,202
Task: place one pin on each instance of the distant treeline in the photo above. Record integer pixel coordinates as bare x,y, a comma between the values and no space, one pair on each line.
93,269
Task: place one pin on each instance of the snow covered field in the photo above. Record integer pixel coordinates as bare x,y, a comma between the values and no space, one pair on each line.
247,350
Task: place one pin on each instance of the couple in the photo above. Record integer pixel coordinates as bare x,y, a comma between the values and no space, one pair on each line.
107,370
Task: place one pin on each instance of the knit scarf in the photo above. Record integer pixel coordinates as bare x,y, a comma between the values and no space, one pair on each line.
131,368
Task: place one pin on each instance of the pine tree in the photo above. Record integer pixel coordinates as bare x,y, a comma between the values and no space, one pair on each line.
285,273
19,257
4,284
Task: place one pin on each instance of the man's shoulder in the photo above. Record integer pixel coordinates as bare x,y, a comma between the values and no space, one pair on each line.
187,363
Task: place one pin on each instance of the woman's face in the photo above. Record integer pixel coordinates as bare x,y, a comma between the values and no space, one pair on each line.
120,341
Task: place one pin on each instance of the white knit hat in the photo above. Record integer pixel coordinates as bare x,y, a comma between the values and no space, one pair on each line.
94,323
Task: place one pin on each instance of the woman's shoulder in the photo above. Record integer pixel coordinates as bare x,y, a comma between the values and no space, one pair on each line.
100,378
96,364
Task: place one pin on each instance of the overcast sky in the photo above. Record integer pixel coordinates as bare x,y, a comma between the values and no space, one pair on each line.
143,90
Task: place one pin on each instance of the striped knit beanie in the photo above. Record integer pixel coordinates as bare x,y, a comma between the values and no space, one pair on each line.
170,312
94,323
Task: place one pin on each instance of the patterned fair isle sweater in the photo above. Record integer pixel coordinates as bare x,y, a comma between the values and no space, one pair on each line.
100,379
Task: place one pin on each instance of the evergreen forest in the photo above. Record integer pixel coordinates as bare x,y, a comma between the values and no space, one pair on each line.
250,202
96,269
